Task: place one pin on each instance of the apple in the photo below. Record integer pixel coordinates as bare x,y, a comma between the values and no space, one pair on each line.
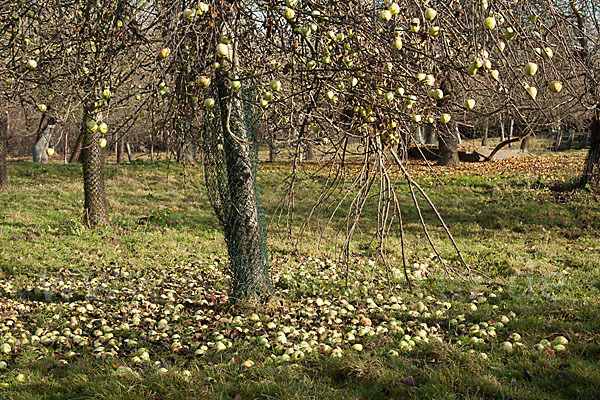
555,86
472,69
501,45
398,44
445,118
32,64
430,14
235,85
291,3
50,151
385,15
507,347
357,347
495,74
548,53
429,80
394,8
421,76
222,50
487,64
202,8
340,36
248,364
436,94
275,85
264,104
415,25
8,81
105,94
470,104
42,107
311,64
289,14
532,91
102,143
400,91
204,81
531,68
389,97
434,31
489,23
92,125
559,347
102,128
560,340
330,94
164,52
417,118
267,95
209,103
188,14
509,33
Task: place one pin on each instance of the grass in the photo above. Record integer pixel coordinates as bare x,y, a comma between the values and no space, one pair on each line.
162,257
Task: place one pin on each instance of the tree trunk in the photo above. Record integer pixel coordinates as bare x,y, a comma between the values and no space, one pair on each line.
3,149
66,148
419,136
246,239
525,144
502,129
484,141
448,148
129,155
431,136
95,210
511,131
273,151
39,150
120,149
310,151
591,173
76,149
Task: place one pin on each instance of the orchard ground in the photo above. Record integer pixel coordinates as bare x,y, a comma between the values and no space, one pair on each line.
139,309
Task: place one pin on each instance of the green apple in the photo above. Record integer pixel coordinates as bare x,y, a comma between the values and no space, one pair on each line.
445,118
289,14
489,23
417,118
509,33
532,91
385,15
222,50
501,45
394,9
430,14
436,94
188,14
204,81
275,85
102,128
202,8
267,95
235,85
357,347
92,125
291,3
42,107
495,74
507,347
50,151
209,103
264,103
8,81
248,364
164,52
32,64
560,340
105,93
389,97
531,68
555,86
415,25
470,104
102,143
398,44
434,31
548,53
472,69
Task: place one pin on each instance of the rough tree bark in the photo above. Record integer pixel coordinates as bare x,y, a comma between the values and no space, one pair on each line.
3,149
95,209
273,150
448,134
242,228
484,141
76,149
591,173
39,149
120,149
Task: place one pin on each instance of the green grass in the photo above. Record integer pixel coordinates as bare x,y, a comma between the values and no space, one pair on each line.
162,254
